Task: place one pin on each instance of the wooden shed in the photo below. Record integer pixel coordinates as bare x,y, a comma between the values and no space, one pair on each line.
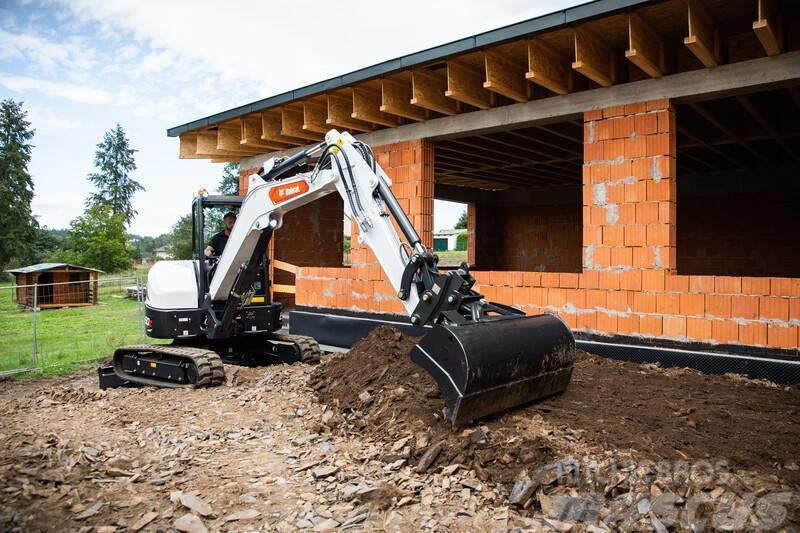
56,285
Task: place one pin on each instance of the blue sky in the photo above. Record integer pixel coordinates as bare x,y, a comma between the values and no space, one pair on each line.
82,66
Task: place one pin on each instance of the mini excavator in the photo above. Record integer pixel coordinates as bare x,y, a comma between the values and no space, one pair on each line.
485,357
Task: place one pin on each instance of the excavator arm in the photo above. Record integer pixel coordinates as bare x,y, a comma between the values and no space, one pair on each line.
485,357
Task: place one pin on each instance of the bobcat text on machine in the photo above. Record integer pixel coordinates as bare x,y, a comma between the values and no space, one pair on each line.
486,357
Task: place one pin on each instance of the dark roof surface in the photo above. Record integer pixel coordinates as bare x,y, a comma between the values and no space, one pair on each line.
41,267
548,22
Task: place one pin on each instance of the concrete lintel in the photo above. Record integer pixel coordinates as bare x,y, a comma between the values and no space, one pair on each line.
742,77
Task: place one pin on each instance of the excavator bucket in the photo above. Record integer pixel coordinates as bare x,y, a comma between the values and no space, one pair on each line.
486,367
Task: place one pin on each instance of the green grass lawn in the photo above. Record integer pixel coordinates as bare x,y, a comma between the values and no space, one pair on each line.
68,336
452,258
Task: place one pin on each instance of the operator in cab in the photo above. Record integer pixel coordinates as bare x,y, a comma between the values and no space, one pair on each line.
218,241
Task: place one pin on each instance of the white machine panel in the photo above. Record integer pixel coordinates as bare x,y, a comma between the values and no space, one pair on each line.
172,285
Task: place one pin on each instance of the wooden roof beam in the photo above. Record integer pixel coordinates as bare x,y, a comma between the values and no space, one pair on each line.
229,140
292,122
505,76
645,47
465,84
340,114
187,148
427,91
251,135
548,68
315,116
769,27
593,58
395,99
366,107
703,38
271,127
207,147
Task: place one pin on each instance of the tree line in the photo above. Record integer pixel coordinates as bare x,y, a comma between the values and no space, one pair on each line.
98,238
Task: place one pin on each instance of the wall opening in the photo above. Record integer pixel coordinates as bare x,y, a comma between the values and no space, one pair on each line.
524,191
450,232
738,206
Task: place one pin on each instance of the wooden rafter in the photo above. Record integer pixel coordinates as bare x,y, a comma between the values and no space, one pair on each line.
188,146
703,38
427,91
548,68
505,76
292,125
229,139
207,147
465,84
765,124
366,106
593,58
314,116
252,135
714,121
769,27
340,113
645,46
272,126
396,98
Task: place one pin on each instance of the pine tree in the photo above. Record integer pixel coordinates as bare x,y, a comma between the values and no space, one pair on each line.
462,221
17,224
230,179
115,186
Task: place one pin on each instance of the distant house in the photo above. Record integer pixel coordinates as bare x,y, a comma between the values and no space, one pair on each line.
163,252
446,239
56,285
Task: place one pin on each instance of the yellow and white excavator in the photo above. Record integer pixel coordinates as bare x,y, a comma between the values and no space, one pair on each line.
486,357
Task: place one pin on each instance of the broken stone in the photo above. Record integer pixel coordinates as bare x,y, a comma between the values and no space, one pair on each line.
354,520
365,396
324,471
144,520
328,524
450,469
196,504
522,491
189,523
429,457
247,514
91,511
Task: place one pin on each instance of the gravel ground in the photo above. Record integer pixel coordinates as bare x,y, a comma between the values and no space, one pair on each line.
277,449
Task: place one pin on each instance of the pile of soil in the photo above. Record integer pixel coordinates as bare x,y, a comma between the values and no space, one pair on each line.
651,412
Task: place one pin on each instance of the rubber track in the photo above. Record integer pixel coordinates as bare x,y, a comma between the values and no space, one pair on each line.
210,372
309,347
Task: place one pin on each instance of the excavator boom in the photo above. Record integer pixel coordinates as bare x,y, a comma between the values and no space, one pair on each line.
486,357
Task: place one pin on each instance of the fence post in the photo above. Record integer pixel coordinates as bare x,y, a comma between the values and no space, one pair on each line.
35,305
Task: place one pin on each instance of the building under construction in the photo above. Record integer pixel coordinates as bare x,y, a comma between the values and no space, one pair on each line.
630,165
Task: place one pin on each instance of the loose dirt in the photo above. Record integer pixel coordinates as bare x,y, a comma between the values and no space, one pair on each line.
658,413
358,442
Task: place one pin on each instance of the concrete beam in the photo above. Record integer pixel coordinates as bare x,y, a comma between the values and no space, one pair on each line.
742,77
555,195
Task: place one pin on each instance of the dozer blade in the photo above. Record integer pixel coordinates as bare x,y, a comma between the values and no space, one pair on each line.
486,367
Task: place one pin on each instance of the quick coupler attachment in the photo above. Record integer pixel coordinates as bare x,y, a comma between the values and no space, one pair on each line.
484,368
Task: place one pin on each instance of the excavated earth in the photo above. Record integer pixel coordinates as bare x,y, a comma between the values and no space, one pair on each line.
358,442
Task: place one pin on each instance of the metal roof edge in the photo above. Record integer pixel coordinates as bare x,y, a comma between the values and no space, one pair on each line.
548,21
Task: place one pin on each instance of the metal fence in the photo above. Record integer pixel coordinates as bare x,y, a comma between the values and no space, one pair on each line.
50,325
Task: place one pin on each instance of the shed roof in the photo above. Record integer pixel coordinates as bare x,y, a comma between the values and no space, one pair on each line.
42,267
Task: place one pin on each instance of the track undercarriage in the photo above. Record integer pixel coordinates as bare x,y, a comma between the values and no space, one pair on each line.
185,365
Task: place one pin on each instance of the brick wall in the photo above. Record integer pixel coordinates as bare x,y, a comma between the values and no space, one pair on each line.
740,232
629,282
363,286
533,238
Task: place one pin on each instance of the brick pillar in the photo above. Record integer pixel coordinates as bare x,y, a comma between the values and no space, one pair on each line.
363,286
629,193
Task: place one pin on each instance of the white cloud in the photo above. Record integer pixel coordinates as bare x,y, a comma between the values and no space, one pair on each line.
70,91
156,61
